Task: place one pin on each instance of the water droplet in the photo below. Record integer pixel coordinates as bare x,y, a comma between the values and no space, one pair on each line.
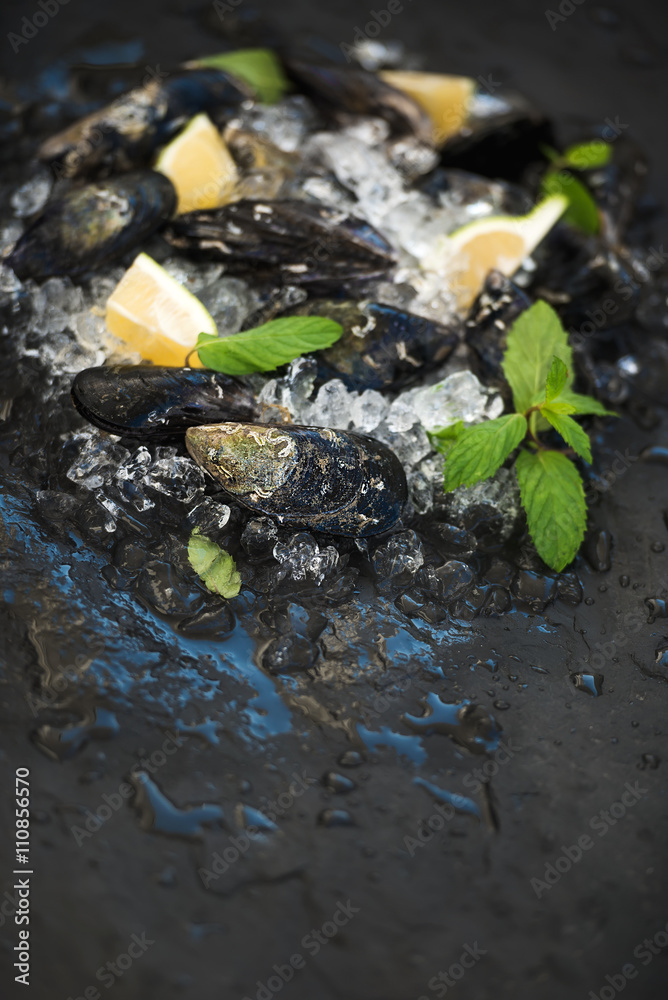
656,607
589,601
635,724
598,550
469,725
350,758
624,580
649,760
501,705
590,683
335,817
338,782
459,802
61,743
603,588
658,547
159,815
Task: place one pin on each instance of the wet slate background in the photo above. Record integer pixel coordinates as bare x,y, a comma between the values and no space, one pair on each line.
467,885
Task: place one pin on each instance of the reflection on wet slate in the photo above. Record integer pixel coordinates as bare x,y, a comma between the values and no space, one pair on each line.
158,815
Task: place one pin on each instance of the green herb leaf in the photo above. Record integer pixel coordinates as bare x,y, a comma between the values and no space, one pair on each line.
551,154
259,68
536,336
582,210
557,406
554,501
584,404
588,155
480,450
214,566
266,347
444,439
570,431
556,379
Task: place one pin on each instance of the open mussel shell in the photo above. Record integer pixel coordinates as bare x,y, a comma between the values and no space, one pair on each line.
356,91
294,242
159,403
381,346
127,132
93,225
309,477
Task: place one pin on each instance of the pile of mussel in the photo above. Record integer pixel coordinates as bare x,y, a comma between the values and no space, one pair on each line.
108,201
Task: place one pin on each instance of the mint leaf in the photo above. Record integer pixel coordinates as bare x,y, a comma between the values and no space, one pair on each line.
557,406
556,379
481,449
259,68
535,337
588,155
266,347
554,501
552,154
443,440
585,404
214,566
570,431
582,210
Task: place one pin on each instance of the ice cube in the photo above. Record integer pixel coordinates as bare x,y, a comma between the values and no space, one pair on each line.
176,476
368,410
98,459
33,195
301,558
230,302
285,124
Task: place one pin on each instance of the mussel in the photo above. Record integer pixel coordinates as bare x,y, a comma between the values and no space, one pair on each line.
502,135
381,346
356,91
309,477
296,242
93,225
156,403
490,318
127,132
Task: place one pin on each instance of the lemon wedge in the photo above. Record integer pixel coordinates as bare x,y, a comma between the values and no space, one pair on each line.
155,315
446,99
200,166
499,242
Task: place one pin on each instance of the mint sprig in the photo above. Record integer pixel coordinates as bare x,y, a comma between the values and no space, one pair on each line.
259,68
582,211
538,366
266,347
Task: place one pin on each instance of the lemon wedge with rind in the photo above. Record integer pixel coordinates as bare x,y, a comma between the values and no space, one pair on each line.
200,166
445,98
499,242
157,316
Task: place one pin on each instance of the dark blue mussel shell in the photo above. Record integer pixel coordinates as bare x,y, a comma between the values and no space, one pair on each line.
381,346
157,403
126,133
93,225
308,477
291,242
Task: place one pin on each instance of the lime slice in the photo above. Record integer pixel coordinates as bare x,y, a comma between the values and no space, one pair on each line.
499,242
